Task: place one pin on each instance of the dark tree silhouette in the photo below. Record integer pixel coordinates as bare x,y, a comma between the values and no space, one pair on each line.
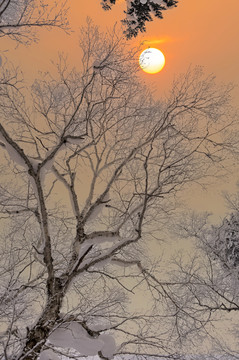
139,12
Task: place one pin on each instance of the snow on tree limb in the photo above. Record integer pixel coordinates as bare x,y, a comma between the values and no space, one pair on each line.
14,151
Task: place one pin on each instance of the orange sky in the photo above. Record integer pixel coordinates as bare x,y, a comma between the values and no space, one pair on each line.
197,32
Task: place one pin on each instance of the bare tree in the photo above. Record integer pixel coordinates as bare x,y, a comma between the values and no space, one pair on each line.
19,19
91,166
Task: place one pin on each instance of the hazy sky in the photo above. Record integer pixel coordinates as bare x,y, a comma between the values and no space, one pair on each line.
197,32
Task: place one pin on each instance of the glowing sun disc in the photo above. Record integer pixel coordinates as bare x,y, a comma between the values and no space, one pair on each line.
152,60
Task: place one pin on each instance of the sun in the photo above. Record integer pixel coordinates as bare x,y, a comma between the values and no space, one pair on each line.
152,60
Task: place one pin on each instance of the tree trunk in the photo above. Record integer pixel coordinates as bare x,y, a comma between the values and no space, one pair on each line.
38,335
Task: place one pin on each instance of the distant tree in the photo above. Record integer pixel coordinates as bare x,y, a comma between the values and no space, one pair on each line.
211,275
91,165
220,242
225,241
19,19
139,12
225,237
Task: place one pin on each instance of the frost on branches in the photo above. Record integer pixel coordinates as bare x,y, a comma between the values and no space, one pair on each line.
225,240
139,12
20,18
91,165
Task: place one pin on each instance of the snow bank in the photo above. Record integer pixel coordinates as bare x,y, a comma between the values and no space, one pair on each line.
74,336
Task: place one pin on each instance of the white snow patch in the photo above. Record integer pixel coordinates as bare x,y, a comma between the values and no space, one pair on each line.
75,336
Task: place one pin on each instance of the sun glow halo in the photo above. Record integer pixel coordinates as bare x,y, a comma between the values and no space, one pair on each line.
152,60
